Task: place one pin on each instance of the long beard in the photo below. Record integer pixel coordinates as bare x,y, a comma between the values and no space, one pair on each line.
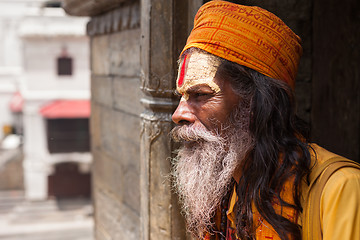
204,167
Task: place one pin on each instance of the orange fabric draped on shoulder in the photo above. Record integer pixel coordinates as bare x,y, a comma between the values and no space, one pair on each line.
249,36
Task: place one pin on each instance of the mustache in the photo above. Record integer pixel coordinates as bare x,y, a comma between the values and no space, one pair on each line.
190,133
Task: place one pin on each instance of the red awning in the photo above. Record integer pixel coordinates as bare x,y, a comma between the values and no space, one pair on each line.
67,109
16,102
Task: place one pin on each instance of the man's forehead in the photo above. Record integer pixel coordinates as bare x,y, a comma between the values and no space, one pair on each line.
197,68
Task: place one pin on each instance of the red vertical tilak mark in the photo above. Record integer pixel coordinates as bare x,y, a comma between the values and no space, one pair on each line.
182,72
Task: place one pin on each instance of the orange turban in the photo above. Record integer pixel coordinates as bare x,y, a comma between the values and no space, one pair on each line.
249,36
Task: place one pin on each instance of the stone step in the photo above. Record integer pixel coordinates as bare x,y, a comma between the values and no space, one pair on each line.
64,219
10,199
80,232
50,211
11,195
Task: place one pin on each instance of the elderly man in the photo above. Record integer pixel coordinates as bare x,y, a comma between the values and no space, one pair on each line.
246,169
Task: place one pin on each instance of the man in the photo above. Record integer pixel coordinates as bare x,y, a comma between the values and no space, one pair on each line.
246,169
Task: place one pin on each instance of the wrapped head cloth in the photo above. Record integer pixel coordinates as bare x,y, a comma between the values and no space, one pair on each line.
249,36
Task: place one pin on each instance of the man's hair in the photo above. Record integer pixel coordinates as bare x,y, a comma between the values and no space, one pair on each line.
280,152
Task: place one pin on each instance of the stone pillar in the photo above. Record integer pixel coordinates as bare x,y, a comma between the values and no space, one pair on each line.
193,7
35,150
114,32
164,29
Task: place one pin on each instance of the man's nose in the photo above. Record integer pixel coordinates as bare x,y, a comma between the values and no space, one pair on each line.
183,114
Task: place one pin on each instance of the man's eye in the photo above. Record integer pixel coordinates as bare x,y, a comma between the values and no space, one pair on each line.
200,94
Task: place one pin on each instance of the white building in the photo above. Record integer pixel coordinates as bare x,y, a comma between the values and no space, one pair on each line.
11,15
51,71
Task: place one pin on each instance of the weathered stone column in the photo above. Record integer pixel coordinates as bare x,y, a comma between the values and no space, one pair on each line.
114,32
118,163
164,25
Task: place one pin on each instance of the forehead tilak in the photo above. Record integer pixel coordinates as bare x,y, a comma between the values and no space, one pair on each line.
197,68
182,71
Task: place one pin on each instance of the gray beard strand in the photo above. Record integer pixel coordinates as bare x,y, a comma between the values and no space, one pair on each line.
203,171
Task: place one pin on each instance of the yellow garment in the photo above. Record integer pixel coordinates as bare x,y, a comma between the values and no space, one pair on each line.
339,206
249,36
340,201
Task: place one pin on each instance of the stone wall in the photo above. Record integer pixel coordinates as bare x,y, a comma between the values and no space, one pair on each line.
115,121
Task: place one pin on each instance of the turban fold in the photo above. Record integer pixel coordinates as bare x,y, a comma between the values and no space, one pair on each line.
249,36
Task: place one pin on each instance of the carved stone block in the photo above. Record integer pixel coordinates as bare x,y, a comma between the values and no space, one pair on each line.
127,94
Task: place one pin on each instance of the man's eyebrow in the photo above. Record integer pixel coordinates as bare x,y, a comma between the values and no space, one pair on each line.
199,86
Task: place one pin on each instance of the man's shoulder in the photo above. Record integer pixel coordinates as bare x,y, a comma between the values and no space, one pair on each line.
336,172
322,159
332,195
346,178
319,155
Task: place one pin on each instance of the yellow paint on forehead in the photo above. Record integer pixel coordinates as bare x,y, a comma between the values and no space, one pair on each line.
200,68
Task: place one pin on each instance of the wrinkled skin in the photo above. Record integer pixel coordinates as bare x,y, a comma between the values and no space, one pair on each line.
204,105
213,124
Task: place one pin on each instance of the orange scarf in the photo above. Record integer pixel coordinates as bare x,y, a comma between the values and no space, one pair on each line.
249,36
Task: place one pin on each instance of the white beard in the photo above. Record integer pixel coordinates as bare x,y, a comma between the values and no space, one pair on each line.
204,167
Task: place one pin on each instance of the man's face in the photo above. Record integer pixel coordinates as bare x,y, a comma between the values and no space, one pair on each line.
206,99
214,125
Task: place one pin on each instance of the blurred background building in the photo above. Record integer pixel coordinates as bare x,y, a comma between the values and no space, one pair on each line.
45,91
45,159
